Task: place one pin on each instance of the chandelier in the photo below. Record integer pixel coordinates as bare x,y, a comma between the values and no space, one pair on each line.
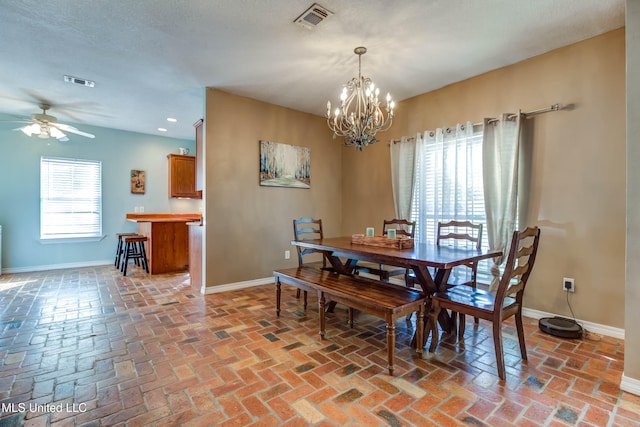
359,117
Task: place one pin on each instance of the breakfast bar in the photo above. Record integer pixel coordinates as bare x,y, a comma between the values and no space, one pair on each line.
168,245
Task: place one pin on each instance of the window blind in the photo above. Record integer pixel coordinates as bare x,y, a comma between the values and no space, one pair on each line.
70,198
449,186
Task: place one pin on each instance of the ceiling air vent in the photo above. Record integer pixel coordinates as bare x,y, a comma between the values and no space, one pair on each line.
79,81
313,16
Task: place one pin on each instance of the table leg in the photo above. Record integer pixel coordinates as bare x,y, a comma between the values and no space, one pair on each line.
347,267
278,295
442,276
321,310
420,330
432,285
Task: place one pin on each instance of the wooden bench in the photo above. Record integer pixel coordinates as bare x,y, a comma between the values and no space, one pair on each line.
380,299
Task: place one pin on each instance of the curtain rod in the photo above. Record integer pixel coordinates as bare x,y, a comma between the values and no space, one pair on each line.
553,107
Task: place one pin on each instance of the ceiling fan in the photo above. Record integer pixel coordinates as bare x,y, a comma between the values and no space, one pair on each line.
45,126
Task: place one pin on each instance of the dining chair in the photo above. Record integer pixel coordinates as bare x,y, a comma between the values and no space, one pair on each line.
308,229
461,233
506,302
456,233
465,233
403,228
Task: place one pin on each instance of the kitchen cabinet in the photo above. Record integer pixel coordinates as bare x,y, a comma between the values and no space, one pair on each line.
182,176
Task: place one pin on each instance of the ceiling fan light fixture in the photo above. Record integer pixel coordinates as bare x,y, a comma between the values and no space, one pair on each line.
32,129
27,130
56,133
44,126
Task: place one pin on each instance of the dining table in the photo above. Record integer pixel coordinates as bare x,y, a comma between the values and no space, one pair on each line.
343,255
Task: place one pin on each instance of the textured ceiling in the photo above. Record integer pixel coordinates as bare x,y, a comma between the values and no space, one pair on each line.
152,59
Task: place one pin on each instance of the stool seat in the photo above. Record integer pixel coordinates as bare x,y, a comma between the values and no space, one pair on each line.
134,249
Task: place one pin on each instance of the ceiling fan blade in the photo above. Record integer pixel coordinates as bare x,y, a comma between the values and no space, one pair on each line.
79,132
16,121
62,126
71,129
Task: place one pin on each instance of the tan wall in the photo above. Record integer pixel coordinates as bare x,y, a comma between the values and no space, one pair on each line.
248,227
578,172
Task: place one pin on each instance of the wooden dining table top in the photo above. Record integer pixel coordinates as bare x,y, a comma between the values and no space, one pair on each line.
421,254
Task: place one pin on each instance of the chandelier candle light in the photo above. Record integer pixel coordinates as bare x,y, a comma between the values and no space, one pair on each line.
359,117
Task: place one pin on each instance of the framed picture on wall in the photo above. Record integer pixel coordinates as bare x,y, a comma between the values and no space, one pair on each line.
283,165
137,181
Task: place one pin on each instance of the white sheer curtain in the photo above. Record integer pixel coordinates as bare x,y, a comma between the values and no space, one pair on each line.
501,152
402,162
448,182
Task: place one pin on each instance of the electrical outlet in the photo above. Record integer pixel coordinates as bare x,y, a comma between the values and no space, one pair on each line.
287,254
568,284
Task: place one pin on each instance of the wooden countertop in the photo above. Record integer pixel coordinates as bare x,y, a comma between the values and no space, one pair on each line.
163,217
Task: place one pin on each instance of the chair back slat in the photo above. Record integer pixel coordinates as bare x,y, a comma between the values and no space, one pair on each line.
308,231
402,226
457,236
522,252
513,289
520,270
460,230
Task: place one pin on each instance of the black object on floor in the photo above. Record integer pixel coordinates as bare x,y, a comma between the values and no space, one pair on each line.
560,327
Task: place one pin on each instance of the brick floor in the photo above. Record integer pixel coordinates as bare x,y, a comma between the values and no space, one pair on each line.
88,347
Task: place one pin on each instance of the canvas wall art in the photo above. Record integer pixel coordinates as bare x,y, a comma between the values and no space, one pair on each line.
283,165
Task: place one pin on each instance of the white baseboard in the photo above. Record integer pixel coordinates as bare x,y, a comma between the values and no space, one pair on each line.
630,385
55,266
238,285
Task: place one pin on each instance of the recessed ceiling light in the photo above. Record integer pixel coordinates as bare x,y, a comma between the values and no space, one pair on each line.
162,129
171,119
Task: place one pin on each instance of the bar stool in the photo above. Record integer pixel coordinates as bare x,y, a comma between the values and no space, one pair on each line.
134,249
120,248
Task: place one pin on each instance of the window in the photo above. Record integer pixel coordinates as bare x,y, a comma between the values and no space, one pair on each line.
70,198
449,184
